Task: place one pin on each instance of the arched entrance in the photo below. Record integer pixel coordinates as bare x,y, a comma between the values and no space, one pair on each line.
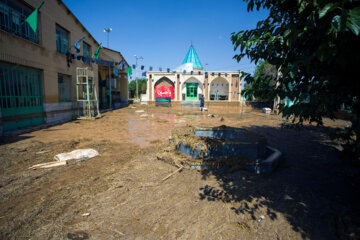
164,87
219,89
191,89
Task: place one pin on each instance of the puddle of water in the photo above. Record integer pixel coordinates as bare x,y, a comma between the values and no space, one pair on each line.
157,126
142,131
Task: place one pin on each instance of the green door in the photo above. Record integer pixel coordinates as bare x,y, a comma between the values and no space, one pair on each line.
21,98
191,92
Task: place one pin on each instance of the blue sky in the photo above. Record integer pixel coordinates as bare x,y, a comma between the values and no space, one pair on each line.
161,31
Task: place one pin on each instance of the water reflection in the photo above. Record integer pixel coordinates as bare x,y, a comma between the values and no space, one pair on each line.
144,130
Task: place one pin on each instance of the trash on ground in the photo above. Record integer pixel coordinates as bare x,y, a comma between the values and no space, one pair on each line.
86,214
41,152
79,235
211,115
139,111
262,217
144,115
119,232
266,110
177,170
76,154
48,165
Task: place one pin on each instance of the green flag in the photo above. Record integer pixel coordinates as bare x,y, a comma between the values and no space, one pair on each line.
129,70
32,18
96,54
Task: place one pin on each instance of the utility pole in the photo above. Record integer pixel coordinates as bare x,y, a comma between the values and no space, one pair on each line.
136,69
108,30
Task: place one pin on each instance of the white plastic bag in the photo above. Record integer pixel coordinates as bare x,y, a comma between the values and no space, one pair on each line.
77,154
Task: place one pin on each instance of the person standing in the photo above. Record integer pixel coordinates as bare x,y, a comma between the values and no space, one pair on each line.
202,102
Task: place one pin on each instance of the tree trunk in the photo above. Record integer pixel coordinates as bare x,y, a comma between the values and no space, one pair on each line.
277,98
276,105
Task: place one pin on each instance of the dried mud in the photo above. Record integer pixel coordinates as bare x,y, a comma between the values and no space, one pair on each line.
119,194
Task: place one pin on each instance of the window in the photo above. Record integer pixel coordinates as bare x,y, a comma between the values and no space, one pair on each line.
62,40
12,19
64,83
20,87
86,52
21,96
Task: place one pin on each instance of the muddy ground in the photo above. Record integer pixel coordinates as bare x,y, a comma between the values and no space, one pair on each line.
312,195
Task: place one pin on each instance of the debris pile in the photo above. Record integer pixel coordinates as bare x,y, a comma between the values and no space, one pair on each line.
192,147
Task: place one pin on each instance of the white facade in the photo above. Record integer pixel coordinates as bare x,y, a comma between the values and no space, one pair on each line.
226,85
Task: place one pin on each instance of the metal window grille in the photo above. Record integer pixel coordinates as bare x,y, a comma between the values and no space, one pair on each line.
21,99
12,20
64,87
86,52
62,40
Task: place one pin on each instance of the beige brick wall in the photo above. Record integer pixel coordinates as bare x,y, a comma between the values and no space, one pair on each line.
44,56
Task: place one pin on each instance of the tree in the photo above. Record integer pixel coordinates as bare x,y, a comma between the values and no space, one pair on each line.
142,84
315,46
263,85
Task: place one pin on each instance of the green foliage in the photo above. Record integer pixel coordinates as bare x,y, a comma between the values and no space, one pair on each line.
262,85
315,43
141,86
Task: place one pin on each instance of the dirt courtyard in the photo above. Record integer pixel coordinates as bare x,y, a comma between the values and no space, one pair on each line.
120,194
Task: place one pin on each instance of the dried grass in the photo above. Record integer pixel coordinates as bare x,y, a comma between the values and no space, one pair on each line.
185,135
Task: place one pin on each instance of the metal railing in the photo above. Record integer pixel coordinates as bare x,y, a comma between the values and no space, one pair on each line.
13,22
84,72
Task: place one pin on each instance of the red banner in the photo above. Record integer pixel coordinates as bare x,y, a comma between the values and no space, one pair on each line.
165,91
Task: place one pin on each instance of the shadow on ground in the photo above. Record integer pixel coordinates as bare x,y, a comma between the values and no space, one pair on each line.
12,139
312,188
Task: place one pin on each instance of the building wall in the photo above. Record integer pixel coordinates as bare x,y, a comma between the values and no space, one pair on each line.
121,79
230,79
43,56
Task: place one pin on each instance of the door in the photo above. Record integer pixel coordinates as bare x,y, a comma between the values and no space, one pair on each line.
191,92
21,97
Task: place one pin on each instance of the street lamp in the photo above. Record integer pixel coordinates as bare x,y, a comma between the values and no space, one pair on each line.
136,68
107,30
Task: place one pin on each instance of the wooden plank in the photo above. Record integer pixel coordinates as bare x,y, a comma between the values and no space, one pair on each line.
48,165
178,170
